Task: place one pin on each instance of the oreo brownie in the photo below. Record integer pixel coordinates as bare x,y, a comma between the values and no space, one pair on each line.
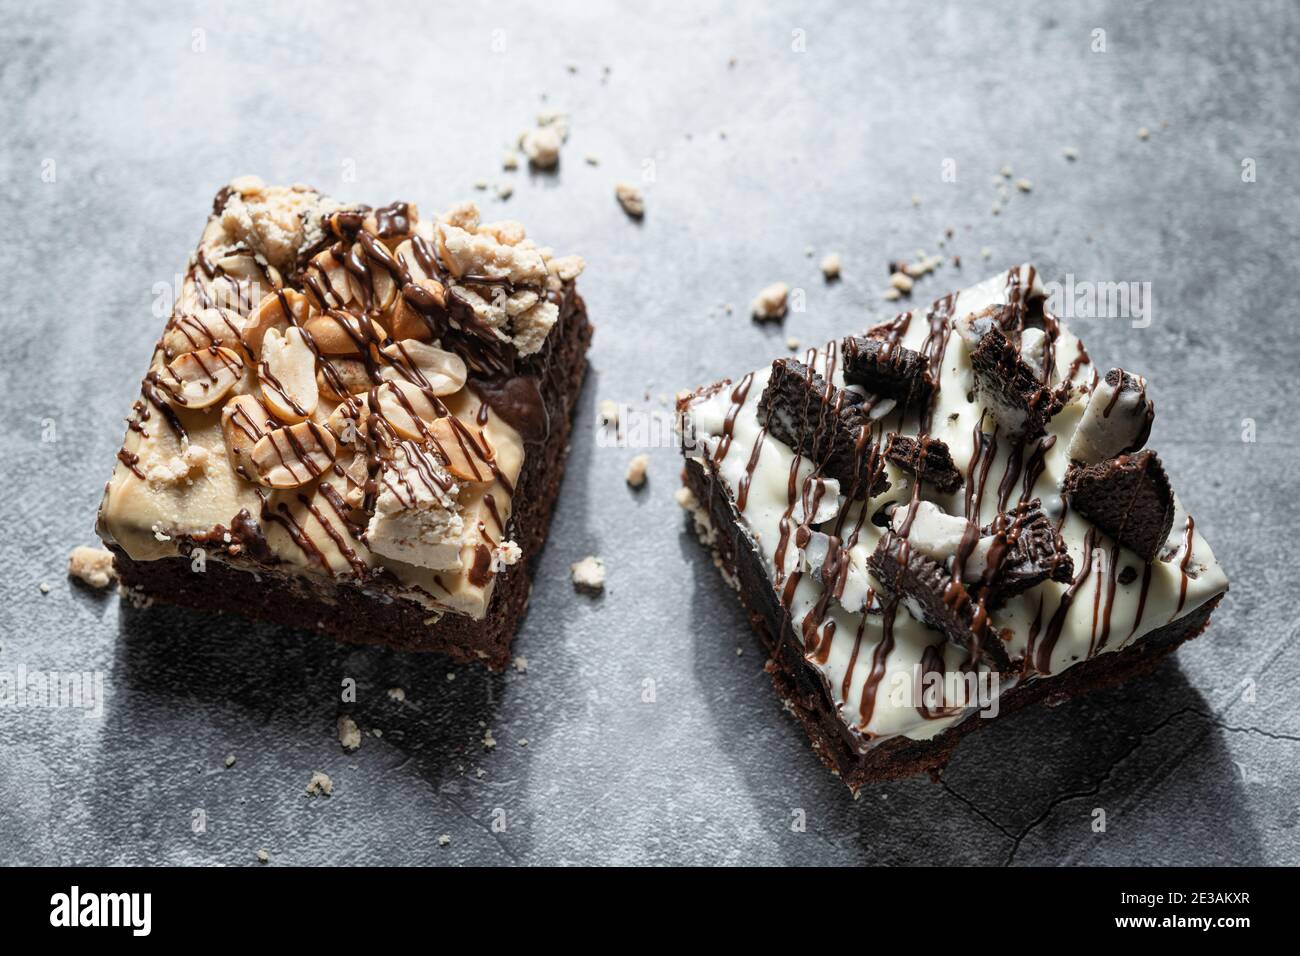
950,515
356,420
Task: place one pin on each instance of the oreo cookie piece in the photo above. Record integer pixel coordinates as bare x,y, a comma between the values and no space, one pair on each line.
926,459
1128,497
930,593
824,424
1009,387
1026,551
887,368
1116,421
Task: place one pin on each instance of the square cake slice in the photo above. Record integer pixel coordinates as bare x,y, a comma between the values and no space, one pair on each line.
356,420
947,517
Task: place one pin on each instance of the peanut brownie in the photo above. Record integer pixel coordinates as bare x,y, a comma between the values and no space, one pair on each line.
356,420
1014,542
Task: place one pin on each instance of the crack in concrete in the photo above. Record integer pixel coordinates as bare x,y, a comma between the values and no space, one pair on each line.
1211,719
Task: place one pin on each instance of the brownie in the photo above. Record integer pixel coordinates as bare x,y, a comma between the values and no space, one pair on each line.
356,421
1001,552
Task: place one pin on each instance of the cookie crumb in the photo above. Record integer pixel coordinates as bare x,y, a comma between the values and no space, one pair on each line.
892,294
444,839
505,191
902,282
521,663
1024,185
771,303
1070,153
230,760
489,742
792,344
349,733
608,412
45,588
631,199
320,783
831,266
636,470
1005,172
397,694
542,144
592,159
263,856
94,566
1144,133
588,574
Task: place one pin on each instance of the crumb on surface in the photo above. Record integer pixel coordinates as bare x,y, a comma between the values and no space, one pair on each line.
349,733
397,694
1144,133
489,742
636,469
792,344
771,302
444,839
631,199
1070,152
902,282
320,783
45,588
608,411
1024,185
831,266
94,566
263,856
230,760
588,574
521,663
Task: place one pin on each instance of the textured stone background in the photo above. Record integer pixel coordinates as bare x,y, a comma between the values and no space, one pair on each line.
755,163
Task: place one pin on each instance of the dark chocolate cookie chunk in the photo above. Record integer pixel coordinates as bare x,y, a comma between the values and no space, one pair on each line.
1004,381
944,603
1128,497
824,424
926,459
1027,550
886,368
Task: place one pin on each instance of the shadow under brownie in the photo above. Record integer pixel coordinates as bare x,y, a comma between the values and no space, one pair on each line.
356,421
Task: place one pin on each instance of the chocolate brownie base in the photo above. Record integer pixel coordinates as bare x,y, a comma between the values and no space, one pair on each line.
367,615
803,688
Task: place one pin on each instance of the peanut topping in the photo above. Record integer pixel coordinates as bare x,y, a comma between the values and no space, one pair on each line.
288,374
406,408
201,378
191,331
244,420
294,455
343,333
270,314
339,378
442,373
465,450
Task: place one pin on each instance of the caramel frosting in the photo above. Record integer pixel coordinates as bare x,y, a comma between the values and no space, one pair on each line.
1010,440
343,392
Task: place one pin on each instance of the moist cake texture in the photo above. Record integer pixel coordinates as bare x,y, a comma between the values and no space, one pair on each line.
957,492
356,420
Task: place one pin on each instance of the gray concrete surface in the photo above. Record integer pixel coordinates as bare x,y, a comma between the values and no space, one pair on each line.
140,119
